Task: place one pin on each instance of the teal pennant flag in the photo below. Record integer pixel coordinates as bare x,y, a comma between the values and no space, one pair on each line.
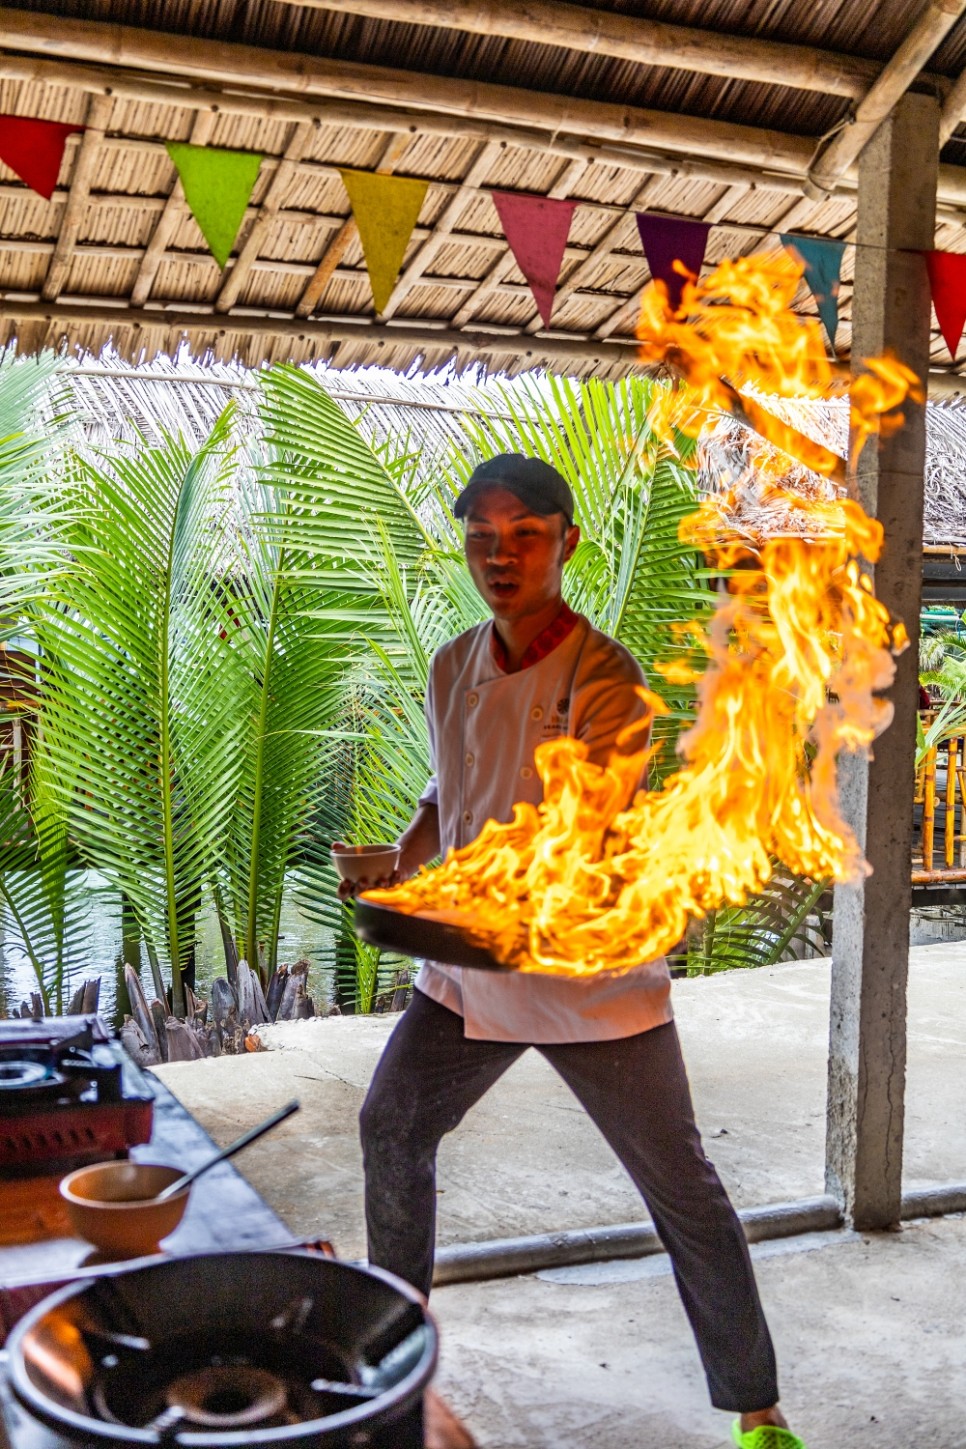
822,261
218,185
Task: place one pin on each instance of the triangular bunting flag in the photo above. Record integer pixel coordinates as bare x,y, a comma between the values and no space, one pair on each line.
218,185
947,280
669,239
822,261
386,209
34,150
537,228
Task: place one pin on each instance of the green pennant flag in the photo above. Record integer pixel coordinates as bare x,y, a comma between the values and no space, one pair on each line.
386,209
217,186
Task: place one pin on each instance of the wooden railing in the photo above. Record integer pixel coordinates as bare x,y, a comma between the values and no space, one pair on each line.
939,844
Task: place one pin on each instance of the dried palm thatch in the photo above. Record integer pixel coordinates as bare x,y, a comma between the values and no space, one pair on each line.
730,452
181,396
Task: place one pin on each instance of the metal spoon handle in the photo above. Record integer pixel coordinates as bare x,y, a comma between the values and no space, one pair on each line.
231,1149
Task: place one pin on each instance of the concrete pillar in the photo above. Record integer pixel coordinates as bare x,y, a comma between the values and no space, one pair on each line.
867,1048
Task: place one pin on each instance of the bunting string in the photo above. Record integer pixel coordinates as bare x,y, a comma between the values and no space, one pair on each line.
218,184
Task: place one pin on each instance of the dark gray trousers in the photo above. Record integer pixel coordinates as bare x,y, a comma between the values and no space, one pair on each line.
636,1090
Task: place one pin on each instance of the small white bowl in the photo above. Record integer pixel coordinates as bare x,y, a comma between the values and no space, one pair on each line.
365,862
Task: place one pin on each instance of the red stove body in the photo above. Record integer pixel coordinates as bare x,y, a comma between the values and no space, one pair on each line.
69,1094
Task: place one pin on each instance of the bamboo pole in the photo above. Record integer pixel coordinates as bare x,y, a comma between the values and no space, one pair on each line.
75,211
235,65
833,159
338,246
147,89
646,42
265,217
175,208
949,821
929,811
954,109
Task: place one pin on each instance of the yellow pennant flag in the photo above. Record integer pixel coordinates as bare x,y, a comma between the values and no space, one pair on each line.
386,209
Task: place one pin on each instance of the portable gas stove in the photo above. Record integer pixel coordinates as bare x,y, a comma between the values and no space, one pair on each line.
69,1094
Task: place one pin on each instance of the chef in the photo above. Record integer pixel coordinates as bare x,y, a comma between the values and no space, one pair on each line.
534,671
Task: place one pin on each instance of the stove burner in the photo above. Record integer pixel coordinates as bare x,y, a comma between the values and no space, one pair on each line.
282,1348
16,1075
228,1396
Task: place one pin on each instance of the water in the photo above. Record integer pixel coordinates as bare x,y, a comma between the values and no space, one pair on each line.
299,938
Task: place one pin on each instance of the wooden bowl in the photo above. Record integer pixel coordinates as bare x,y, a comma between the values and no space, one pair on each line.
109,1204
365,862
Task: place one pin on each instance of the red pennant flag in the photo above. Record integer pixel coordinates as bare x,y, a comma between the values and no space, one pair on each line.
537,228
669,239
35,149
947,281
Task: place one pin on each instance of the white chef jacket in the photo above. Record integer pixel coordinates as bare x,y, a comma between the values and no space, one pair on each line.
484,726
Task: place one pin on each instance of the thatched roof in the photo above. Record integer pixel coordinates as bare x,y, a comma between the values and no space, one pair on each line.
115,400
720,117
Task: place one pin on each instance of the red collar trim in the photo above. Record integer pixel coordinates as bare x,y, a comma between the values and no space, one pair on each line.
545,643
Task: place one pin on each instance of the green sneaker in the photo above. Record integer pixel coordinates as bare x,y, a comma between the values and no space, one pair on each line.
766,1436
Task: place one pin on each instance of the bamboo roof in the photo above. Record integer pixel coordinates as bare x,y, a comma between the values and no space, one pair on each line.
744,113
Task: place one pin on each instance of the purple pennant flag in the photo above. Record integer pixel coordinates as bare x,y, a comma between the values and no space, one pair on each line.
668,239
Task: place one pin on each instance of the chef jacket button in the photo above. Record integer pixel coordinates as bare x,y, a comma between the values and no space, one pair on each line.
472,700
536,712
526,773
471,759
468,817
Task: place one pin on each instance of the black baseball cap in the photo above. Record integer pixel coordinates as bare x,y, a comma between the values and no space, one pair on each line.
533,481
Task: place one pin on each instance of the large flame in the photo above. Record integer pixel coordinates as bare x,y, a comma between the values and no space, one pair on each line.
795,653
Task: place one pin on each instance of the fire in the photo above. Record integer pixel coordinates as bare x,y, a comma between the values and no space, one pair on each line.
795,654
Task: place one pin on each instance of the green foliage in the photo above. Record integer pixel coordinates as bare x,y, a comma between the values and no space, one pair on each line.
139,679
759,933
233,639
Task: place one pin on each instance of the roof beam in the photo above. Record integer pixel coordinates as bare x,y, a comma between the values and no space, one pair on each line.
954,109
274,106
235,65
362,115
265,217
442,231
566,180
175,209
62,318
833,159
646,42
337,247
76,208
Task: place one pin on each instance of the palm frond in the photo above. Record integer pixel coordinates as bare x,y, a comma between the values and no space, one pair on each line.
137,676
759,933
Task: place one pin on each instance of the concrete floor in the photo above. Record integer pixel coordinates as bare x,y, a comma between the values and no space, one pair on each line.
868,1328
